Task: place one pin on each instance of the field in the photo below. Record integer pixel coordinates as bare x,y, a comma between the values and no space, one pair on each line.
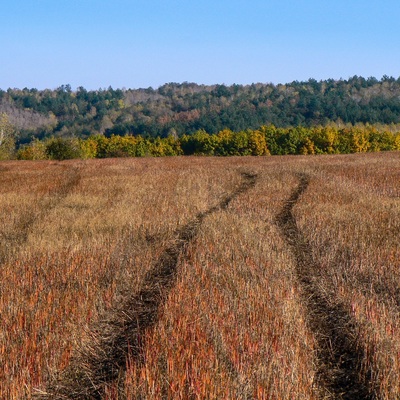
201,278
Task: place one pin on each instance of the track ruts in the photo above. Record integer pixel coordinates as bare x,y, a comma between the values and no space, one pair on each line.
21,232
340,356
121,332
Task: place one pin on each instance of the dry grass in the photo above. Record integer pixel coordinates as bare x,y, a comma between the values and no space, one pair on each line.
79,240
351,216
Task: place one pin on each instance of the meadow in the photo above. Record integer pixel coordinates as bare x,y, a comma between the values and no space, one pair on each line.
201,278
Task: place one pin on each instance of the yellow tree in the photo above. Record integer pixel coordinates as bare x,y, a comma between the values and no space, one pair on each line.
257,143
397,142
359,140
325,139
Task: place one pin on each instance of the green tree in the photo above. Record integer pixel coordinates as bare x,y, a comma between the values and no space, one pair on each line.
240,144
325,139
274,138
293,140
199,143
380,141
63,149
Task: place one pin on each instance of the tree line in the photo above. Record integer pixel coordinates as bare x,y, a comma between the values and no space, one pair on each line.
267,140
185,108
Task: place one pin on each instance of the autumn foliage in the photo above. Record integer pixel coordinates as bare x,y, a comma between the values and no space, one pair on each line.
267,140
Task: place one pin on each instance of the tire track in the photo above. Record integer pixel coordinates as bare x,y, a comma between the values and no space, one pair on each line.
122,331
20,235
340,355
385,291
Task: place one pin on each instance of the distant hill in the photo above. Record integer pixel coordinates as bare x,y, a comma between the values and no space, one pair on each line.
179,108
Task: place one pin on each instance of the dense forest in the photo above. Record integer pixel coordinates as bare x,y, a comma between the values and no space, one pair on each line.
182,109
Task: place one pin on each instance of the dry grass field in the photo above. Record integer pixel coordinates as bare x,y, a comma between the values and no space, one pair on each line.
201,278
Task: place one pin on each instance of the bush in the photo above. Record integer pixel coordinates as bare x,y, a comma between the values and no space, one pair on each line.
200,143
63,149
34,151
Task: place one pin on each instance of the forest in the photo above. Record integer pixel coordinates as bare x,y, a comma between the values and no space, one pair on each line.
187,107
182,116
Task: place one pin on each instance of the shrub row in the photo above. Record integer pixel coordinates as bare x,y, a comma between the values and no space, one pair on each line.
267,140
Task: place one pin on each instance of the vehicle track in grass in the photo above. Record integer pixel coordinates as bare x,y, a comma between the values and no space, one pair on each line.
121,332
340,356
20,234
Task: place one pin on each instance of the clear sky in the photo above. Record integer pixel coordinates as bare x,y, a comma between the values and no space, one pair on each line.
142,43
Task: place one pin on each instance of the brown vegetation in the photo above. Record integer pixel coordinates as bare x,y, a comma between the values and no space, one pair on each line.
239,312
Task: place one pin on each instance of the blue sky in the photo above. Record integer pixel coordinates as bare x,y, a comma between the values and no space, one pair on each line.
142,43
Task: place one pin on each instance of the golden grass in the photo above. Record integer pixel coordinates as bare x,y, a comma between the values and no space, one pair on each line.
351,215
78,237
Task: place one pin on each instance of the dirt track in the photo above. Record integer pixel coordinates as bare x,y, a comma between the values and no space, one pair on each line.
100,362
339,355
20,234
